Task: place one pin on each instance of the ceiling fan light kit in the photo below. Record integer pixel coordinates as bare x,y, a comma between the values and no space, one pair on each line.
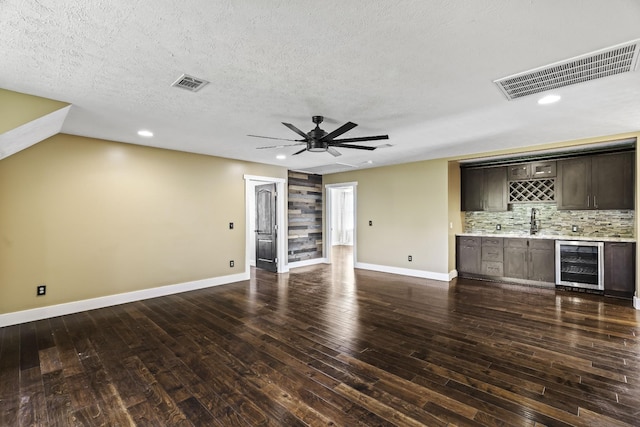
318,141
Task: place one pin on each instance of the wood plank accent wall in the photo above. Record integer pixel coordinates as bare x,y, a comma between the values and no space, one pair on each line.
305,216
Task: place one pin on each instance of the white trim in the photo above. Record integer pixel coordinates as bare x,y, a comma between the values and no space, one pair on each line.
24,316
453,274
443,277
307,262
636,303
281,218
328,244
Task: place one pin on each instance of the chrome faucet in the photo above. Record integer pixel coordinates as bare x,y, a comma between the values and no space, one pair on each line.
535,223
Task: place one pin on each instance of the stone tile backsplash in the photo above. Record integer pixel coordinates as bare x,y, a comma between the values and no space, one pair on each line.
553,222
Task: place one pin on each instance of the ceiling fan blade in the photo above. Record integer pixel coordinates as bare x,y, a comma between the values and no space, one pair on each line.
281,146
362,138
334,152
298,152
296,130
342,129
280,139
359,147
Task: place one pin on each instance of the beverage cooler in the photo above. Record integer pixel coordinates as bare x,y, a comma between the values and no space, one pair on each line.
579,264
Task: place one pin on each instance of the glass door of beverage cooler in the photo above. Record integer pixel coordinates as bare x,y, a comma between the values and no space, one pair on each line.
579,264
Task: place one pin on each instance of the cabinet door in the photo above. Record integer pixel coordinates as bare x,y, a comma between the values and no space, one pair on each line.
542,260
612,183
472,181
573,183
515,258
495,189
469,252
619,269
519,172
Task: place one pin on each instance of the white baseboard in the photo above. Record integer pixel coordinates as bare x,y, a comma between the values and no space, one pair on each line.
307,262
24,316
443,277
636,303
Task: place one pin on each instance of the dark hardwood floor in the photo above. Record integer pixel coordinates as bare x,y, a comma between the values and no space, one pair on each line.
327,345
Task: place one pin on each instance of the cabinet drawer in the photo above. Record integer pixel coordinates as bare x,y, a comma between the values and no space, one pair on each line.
492,253
469,241
492,241
515,243
542,244
491,268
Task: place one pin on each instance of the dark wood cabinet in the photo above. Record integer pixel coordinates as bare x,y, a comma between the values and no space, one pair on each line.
484,189
469,255
516,255
604,181
612,184
619,269
542,260
491,256
472,189
530,259
533,170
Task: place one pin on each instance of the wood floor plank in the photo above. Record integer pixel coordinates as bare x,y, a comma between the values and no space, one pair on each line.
329,345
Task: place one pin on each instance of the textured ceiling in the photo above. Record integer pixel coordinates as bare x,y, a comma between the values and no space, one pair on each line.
421,71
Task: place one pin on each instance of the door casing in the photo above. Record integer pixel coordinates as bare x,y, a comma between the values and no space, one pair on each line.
281,202
329,219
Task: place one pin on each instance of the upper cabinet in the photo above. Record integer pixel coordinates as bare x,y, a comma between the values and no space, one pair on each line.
484,189
533,170
603,181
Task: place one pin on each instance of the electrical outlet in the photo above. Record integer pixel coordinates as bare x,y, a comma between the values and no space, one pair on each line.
231,263
230,226
574,228
410,258
370,223
498,227
41,290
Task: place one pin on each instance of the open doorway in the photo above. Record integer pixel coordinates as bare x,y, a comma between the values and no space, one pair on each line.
341,230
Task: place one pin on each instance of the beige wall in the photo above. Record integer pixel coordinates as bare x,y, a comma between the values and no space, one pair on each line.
92,218
409,207
455,215
16,109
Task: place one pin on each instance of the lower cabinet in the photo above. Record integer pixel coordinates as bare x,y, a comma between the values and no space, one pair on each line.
530,259
492,256
468,254
619,269
507,258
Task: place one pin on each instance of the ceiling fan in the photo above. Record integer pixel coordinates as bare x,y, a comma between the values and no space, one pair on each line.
317,140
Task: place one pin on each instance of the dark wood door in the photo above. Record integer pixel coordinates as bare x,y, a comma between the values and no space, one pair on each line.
573,184
542,260
472,189
612,182
515,258
619,269
469,255
266,228
495,189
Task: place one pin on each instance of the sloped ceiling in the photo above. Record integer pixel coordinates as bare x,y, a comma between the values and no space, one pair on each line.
421,71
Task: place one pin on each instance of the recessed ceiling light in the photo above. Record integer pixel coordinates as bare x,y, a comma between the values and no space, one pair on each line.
549,99
145,133
281,157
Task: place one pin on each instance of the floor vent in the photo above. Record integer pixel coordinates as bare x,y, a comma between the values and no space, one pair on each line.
618,59
190,83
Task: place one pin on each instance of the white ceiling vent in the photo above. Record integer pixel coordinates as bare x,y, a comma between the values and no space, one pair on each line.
618,59
190,83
